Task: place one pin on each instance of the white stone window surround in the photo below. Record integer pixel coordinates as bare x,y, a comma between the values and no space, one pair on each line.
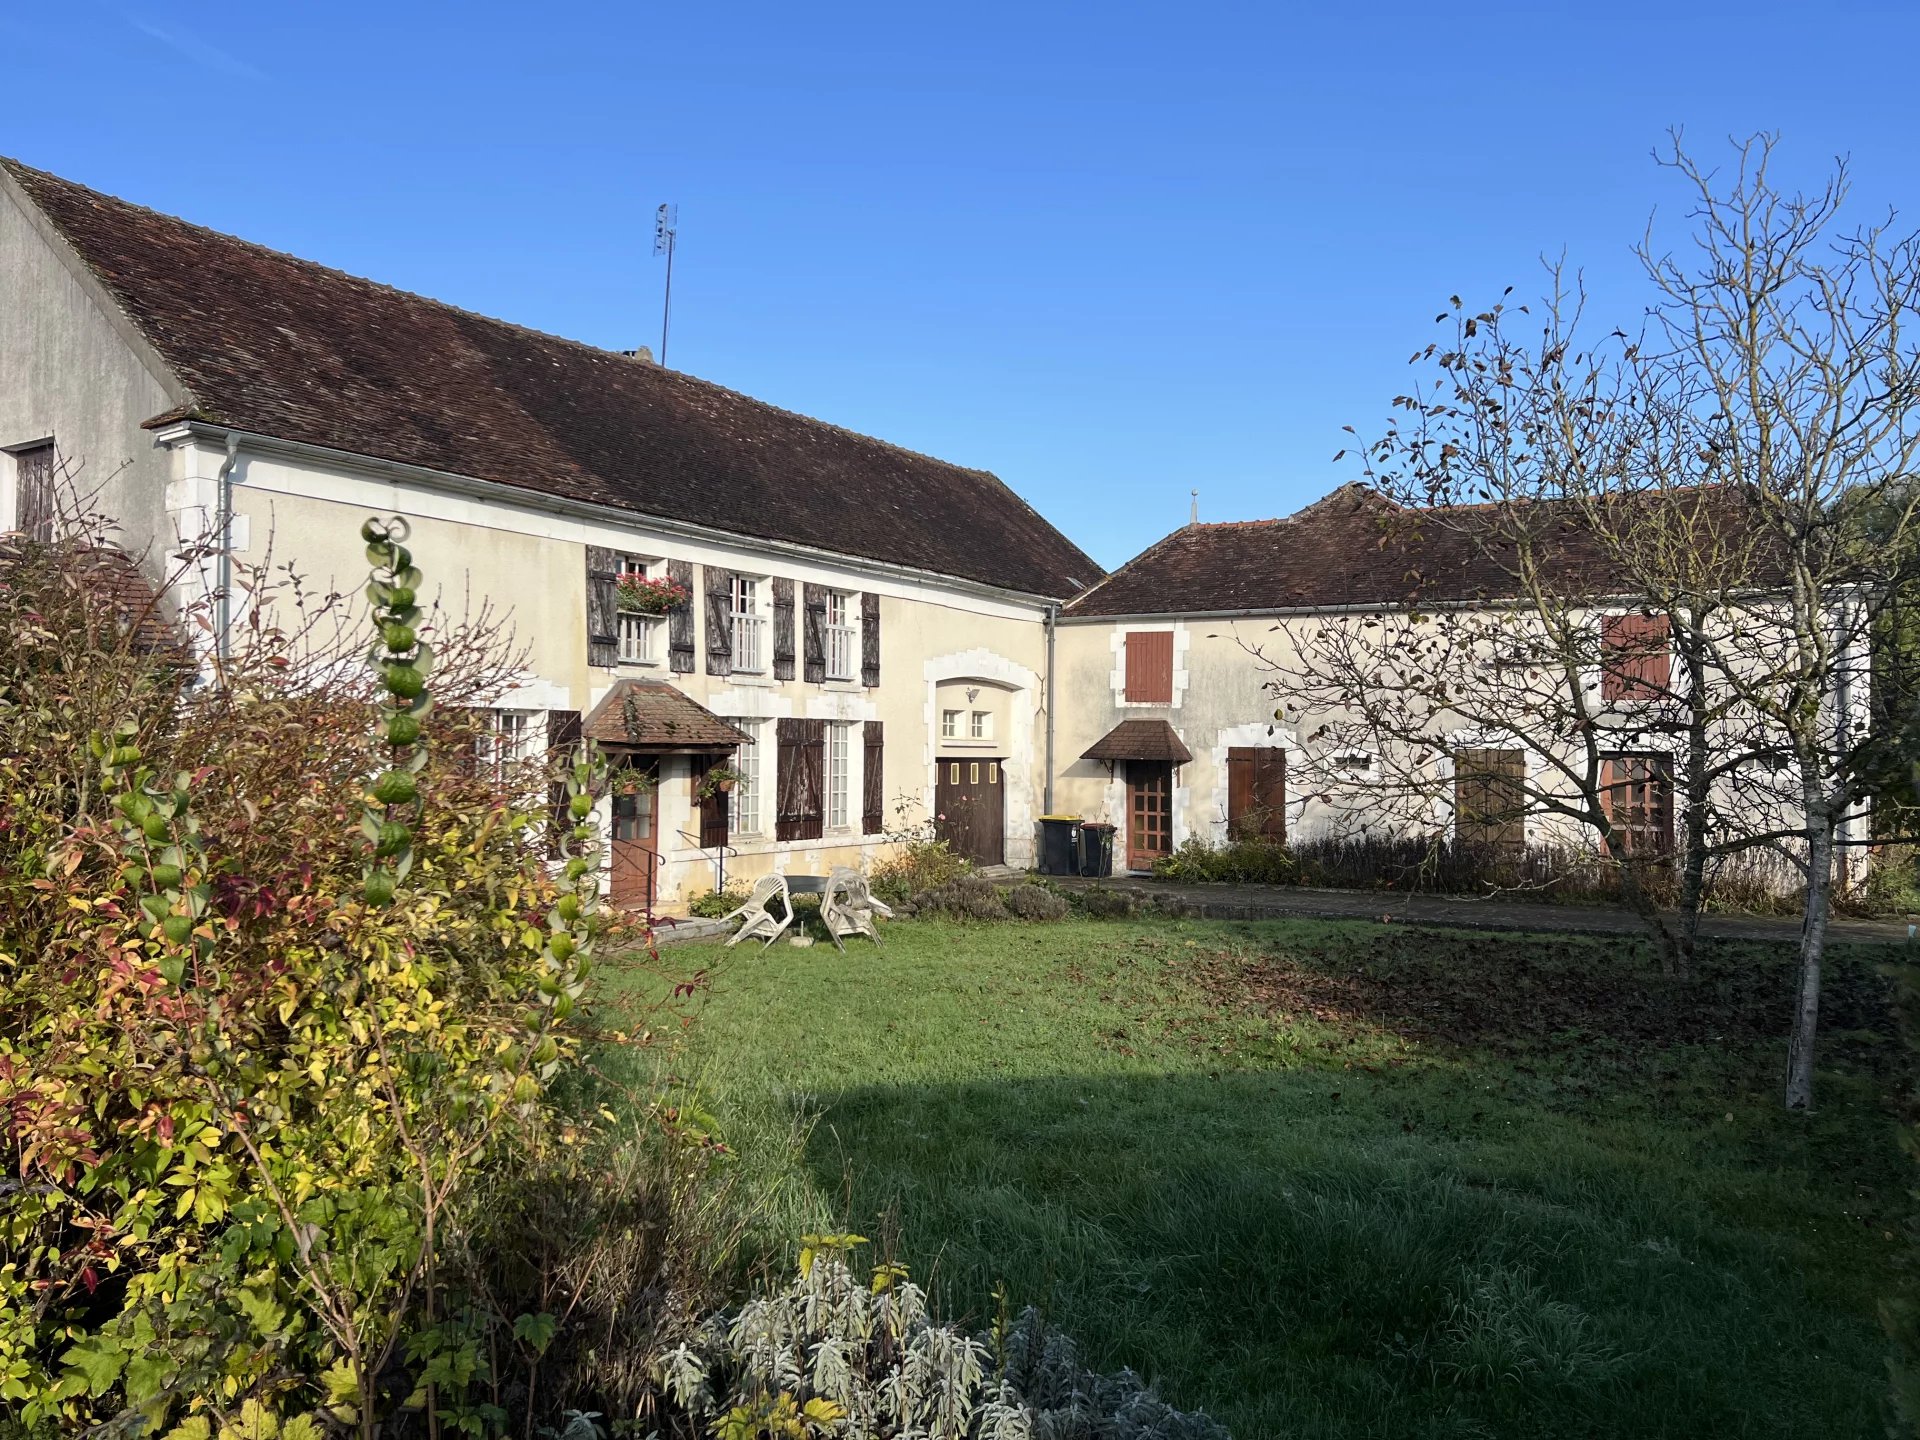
1182,678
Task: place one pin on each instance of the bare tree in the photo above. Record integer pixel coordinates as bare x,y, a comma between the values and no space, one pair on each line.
1675,541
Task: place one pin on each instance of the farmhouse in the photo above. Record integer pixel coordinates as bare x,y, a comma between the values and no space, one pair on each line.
863,638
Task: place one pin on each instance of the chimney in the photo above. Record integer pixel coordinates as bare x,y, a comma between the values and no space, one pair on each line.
644,354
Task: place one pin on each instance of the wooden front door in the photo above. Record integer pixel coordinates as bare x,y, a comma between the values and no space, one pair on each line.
1637,795
636,831
1149,812
970,809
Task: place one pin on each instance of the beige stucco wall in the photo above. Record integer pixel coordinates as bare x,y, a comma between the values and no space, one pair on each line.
70,371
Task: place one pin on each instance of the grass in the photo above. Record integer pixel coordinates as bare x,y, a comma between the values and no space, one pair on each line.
1339,1179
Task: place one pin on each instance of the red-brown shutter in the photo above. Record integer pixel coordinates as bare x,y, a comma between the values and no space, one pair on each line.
1636,657
1150,667
1257,792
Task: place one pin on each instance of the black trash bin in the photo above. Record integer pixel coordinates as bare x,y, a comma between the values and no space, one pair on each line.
1096,849
1059,844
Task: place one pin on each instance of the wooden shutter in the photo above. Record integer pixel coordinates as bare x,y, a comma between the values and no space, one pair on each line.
869,640
1637,798
603,603
873,790
714,809
563,740
719,587
680,620
1489,798
782,628
1257,792
1150,667
814,658
34,508
800,788
1636,657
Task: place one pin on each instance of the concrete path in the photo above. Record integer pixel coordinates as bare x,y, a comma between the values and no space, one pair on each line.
1283,902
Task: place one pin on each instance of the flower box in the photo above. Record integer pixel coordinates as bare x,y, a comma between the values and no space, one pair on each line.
637,593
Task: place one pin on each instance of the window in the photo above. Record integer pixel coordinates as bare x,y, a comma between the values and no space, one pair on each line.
837,776
1355,764
980,725
749,626
1637,797
1489,798
33,507
1636,657
746,791
1150,667
634,629
843,638
1257,792
509,740
950,724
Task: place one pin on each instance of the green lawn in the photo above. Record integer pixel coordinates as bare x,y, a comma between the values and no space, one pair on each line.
1329,1179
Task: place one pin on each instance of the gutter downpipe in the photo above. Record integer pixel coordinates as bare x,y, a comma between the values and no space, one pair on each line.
223,573
1046,797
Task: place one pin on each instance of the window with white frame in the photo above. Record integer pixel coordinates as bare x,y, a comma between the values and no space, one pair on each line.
749,626
950,724
838,780
843,636
746,790
980,725
636,630
510,739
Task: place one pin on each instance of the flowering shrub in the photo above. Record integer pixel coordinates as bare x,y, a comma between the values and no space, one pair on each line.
649,597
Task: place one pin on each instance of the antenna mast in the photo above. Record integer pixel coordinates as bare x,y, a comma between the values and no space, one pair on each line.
666,229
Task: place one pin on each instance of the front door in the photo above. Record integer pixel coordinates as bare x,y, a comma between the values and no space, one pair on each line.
1149,812
636,831
970,811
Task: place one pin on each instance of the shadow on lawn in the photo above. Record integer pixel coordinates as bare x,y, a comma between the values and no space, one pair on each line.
1436,1250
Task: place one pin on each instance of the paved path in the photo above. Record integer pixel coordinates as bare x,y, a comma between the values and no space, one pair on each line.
1280,902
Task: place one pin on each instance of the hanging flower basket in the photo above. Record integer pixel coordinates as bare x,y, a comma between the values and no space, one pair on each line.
648,597
720,780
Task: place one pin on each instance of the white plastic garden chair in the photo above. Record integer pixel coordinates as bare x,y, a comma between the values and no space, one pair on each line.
848,907
755,919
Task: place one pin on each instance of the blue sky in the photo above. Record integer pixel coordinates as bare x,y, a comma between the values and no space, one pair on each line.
1110,252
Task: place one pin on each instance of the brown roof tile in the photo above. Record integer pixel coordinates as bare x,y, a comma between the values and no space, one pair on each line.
1140,740
653,715
280,346
1352,547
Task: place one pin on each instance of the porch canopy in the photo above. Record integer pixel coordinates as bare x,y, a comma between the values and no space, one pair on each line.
1140,740
654,717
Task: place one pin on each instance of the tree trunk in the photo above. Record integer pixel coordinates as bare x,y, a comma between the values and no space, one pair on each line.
1813,939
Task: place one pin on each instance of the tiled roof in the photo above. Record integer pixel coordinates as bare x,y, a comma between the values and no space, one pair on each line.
653,715
1351,548
117,593
1140,740
280,346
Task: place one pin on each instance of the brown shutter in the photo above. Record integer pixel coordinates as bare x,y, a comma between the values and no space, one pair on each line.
1489,798
603,629
1636,657
719,587
873,790
1150,667
800,787
782,628
563,739
680,620
869,640
713,816
814,666
1257,792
